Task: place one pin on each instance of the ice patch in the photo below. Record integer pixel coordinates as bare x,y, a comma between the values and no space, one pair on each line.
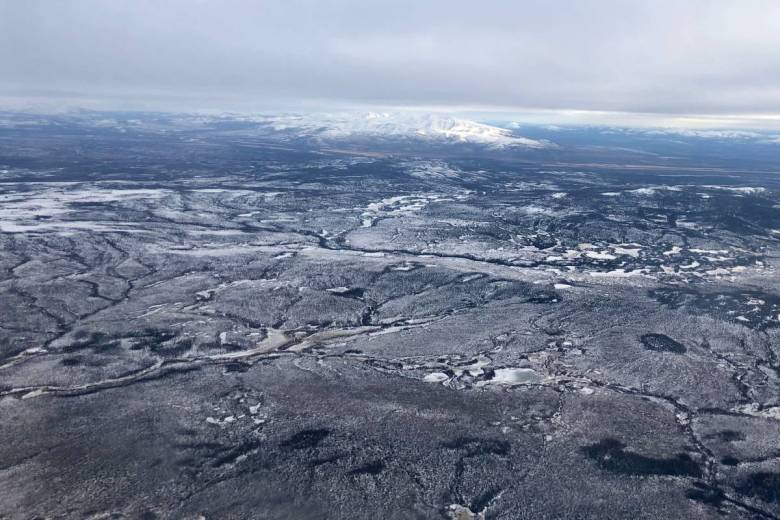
459,512
617,273
539,210
643,191
633,252
709,251
400,205
338,290
515,376
435,377
598,255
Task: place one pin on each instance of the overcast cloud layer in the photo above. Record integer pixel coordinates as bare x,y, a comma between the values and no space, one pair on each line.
711,57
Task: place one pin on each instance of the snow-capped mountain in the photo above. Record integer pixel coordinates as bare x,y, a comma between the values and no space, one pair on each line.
400,126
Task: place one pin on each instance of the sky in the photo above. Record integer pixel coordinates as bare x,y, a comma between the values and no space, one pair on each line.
666,62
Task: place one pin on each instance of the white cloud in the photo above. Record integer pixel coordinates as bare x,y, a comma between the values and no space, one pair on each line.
608,56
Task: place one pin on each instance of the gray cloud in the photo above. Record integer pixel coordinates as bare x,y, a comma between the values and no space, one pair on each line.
658,56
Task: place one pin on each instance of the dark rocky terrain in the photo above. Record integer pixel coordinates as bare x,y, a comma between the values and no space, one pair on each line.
214,321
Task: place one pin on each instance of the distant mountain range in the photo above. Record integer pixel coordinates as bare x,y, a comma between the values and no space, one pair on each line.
436,134
440,129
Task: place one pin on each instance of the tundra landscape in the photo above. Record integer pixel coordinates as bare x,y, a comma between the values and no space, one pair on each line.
384,317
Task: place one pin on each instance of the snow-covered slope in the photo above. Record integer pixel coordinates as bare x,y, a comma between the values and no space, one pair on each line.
401,126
